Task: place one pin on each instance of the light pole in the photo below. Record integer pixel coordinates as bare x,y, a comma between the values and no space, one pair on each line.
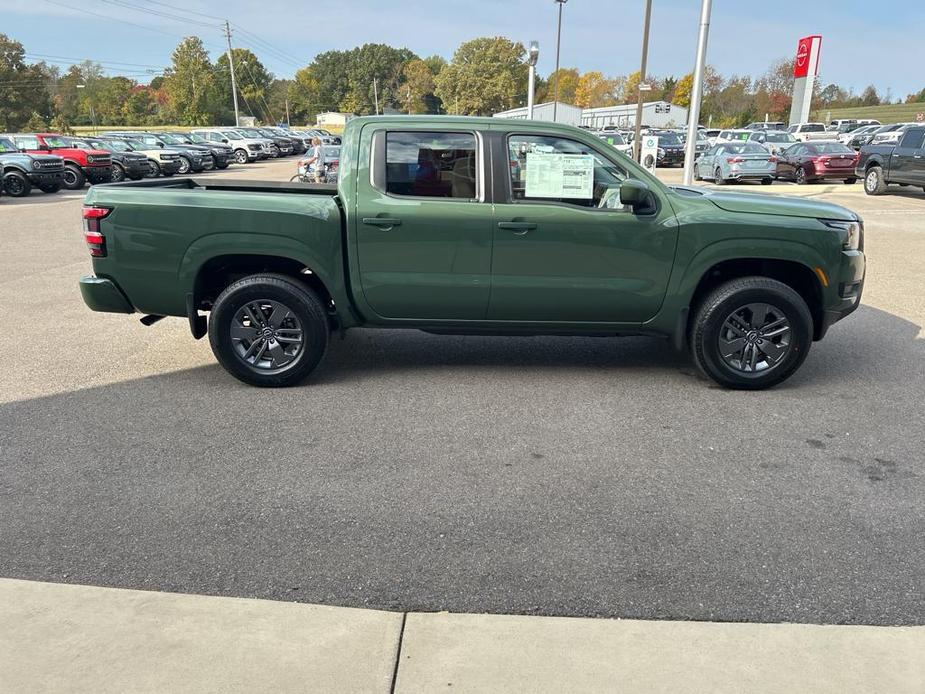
693,117
637,145
234,88
555,103
532,57
90,104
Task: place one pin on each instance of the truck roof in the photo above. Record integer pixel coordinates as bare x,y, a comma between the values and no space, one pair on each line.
466,121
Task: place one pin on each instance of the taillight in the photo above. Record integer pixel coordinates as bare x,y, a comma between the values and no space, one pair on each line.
735,160
96,242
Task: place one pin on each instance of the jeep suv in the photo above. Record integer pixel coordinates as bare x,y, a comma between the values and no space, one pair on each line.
192,157
22,171
80,165
125,162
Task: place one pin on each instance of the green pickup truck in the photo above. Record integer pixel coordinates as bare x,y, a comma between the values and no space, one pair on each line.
475,226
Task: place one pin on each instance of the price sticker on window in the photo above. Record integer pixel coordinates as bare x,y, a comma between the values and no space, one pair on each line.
550,175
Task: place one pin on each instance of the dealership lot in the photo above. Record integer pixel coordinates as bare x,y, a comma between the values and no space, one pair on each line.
567,476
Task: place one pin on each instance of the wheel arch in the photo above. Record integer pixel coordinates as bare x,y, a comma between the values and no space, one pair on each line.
795,274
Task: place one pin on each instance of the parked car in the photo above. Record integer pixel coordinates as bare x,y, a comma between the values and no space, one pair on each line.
766,125
163,162
806,162
222,154
615,140
712,134
245,148
903,163
842,125
325,137
736,161
80,165
733,135
806,132
860,137
20,171
775,141
125,162
890,134
297,141
273,150
193,158
283,143
670,148
755,281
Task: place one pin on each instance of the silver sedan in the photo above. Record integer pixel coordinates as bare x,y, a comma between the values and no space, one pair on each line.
736,161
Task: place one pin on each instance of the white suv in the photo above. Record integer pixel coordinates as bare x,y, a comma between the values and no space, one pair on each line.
245,148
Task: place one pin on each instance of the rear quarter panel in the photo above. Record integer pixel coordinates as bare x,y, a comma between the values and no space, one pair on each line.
158,239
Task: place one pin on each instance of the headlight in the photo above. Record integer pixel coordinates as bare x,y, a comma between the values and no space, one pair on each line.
853,232
661,152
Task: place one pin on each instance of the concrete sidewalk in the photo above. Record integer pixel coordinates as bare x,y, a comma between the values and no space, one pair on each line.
66,638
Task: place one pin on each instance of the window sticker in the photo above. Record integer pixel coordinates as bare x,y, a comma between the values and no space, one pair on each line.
559,175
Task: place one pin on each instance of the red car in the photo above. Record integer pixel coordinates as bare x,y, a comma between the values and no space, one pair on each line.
817,161
80,165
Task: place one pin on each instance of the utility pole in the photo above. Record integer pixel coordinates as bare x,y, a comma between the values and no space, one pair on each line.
375,95
534,55
409,101
288,124
234,88
555,103
637,142
693,118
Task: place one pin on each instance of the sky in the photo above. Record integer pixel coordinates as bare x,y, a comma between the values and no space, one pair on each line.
862,43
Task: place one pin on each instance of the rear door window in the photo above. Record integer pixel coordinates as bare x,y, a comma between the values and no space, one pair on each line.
431,164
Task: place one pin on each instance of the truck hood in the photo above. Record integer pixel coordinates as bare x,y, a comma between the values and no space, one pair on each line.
787,206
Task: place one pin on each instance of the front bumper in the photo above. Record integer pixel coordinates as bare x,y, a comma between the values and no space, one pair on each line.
136,169
671,157
45,178
98,174
848,286
101,294
222,158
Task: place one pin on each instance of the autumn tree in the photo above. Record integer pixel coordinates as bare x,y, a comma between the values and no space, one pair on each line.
23,91
486,75
682,91
568,78
418,85
253,82
594,90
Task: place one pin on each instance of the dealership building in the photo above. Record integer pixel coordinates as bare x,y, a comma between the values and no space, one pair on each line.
655,114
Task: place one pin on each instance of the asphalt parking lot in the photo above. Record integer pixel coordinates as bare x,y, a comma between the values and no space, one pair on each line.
564,476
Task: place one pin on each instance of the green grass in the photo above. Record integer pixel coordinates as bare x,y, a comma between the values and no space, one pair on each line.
890,113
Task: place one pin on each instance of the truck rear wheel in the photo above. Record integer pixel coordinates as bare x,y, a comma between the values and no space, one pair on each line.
240,156
268,330
873,181
751,333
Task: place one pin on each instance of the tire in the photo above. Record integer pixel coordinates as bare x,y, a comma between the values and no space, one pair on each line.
118,173
873,181
53,188
304,313
185,166
16,184
801,177
718,178
240,156
222,167
74,178
155,169
850,181
767,181
731,302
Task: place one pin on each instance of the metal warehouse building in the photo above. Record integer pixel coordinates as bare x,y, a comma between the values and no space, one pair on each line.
655,114
565,113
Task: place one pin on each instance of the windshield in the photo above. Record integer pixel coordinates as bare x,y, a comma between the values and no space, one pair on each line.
832,148
813,128
117,145
172,139
193,137
331,152
781,137
7,145
56,142
668,139
746,148
231,135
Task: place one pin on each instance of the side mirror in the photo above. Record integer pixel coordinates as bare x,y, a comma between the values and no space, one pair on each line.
225,140
161,145
634,193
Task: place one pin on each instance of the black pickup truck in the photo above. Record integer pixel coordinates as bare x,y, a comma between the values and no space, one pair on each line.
902,163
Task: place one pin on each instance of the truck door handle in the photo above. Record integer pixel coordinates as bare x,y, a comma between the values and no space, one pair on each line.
519,228
385,223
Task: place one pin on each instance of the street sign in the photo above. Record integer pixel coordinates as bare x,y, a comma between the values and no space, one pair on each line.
920,117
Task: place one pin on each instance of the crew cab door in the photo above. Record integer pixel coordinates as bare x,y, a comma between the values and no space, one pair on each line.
907,163
565,249
423,225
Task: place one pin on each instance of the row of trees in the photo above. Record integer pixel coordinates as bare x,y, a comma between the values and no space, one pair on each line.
484,76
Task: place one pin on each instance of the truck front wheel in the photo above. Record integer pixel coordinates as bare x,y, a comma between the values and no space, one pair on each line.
16,184
873,181
74,178
268,330
751,333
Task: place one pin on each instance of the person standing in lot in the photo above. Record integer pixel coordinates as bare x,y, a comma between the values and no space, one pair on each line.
317,159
